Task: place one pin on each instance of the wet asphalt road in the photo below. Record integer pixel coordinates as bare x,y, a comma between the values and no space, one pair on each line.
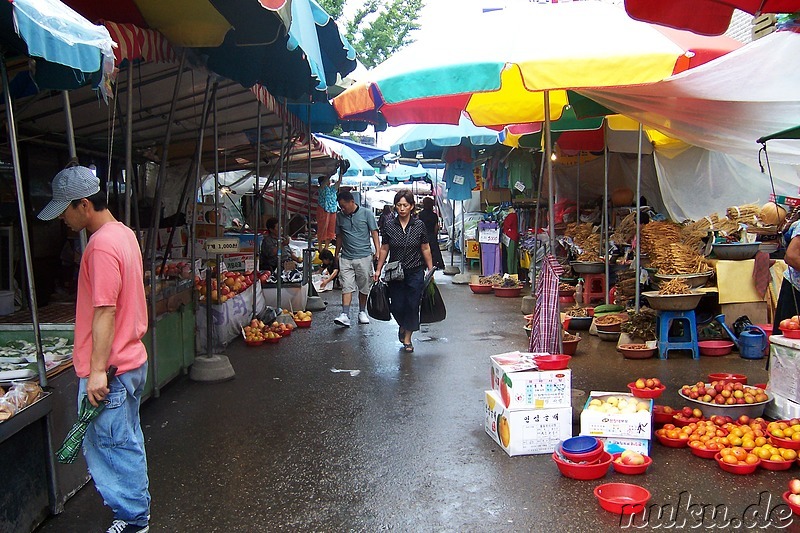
289,445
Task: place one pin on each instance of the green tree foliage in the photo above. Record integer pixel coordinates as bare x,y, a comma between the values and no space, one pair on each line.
377,28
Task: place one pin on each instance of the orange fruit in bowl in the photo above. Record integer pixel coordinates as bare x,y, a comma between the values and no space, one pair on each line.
751,459
796,436
739,453
789,455
777,433
764,453
776,457
760,441
730,459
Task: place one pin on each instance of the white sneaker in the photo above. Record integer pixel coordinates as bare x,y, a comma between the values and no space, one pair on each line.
363,318
342,320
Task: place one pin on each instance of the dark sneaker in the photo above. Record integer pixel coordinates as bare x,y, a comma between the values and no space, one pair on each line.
121,526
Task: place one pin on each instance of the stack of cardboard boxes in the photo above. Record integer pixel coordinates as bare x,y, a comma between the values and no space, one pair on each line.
619,420
528,411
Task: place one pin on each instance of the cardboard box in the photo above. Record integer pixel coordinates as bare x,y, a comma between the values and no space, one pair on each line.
495,197
735,282
784,367
598,423
617,444
528,432
521,386
756,311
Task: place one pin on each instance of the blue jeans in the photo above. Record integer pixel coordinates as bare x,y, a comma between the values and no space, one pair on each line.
405,297
114,448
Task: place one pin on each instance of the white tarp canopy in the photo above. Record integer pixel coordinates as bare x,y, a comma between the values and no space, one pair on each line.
721,108
725,104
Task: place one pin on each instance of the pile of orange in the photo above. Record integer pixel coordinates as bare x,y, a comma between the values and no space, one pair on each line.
738,456
783,430
768,452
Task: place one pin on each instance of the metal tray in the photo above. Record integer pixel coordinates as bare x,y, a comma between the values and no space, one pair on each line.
672,302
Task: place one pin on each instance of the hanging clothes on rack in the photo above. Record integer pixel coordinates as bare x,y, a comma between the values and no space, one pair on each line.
509,237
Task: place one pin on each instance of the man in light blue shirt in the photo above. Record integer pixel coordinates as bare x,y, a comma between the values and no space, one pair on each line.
355,226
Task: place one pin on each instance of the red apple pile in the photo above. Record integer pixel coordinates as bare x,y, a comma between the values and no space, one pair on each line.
724,393
647,383
175,269
794,491
231,284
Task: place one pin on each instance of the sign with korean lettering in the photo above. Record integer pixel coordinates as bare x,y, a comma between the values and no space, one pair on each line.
222,245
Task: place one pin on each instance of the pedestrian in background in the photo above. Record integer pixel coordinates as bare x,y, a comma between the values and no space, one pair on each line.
355,227
386,215
326,211
405,239
431,220
110,321
329,268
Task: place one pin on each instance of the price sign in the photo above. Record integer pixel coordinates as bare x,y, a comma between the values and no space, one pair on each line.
222,245
489,236
519,186
458,180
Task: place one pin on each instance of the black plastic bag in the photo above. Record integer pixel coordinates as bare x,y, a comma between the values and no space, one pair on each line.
741,324
432,308
378,302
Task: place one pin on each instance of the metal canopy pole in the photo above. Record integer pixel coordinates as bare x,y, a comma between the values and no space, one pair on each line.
256,206
150,249
278,207
23,223
128,146
551,186
73,152
605,220
307,257
197,161
638,218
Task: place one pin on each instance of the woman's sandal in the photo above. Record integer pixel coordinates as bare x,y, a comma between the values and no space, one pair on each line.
408,348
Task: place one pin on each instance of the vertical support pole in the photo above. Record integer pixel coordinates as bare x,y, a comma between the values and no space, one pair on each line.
129,146
605,221
256,207
638,218
551,186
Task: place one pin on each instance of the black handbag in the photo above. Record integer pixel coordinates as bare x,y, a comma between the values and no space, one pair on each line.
378,302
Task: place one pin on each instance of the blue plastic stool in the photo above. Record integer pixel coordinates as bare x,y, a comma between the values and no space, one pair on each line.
474,264
686,341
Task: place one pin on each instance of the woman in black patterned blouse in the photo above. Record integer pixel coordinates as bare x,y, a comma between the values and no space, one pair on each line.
405,239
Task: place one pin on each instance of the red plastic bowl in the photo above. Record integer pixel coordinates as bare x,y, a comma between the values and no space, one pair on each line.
646,393
791,333
570,347
507,292
591,456
480,289
683,422
254,343
733,378
622,498
303,323
660,417
736,469
672,443
767,328
557,361
795,508
584,472
703,453
273,340
630,469
715,348
766,464
785,443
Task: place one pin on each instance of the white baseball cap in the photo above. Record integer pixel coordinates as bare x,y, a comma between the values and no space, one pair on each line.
70,184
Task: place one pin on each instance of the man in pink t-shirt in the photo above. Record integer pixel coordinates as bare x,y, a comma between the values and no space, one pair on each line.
110,321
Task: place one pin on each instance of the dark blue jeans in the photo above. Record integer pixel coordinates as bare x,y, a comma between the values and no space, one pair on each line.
405,297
